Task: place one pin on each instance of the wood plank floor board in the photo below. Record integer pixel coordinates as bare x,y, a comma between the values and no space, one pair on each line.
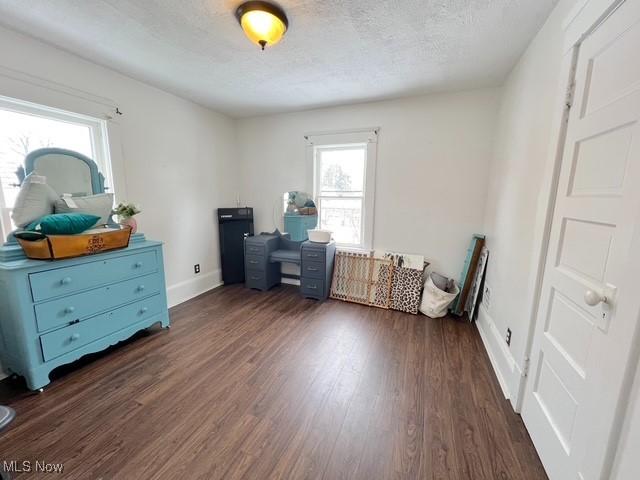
267,385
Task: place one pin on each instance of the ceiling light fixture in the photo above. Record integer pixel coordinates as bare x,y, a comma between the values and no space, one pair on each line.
263,22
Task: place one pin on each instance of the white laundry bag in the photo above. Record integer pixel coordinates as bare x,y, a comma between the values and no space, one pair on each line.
435,302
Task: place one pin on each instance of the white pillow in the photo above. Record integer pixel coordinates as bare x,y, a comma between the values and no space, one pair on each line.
99,205
35,200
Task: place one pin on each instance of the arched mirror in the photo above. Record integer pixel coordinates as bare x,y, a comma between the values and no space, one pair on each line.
66,171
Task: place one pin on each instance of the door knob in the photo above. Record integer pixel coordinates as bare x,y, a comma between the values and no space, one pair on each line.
593,298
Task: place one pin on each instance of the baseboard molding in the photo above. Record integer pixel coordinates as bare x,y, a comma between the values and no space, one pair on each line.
183,291
506,368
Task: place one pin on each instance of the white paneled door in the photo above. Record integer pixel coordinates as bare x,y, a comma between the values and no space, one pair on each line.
589,303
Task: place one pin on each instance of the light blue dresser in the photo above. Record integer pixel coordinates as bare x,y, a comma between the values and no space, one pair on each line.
54,312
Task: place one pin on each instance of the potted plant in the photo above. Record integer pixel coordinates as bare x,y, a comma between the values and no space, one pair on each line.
126,212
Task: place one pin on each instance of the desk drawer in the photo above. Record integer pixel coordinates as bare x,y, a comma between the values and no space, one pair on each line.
254,249
312,287
66,280
254,262
75,336
313,254
313,269
55,313
256,279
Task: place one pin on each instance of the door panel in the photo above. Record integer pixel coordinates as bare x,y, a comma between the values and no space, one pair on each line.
580,351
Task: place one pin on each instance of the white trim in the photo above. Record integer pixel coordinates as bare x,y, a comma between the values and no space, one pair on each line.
98,133
182,291
42,92
367,137
582,20
585,18
507,370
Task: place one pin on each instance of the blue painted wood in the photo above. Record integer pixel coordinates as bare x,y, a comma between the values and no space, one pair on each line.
74,336
34,339
65,280
457,306
297,226
316,269
61,311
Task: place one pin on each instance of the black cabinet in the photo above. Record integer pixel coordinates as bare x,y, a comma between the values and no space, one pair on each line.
235,224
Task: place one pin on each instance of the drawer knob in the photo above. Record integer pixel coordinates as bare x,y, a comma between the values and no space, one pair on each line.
312,269
312,255
75,336
143,310
253,262
140,288
138,265
65,281
69,309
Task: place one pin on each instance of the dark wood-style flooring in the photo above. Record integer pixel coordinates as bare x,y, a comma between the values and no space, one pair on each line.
268,385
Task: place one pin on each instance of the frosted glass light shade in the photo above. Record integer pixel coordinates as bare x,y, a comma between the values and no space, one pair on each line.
263,23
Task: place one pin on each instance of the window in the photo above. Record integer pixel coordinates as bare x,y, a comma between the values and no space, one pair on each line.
343,187
25,127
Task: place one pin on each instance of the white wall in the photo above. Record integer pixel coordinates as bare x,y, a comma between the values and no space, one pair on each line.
522,148
433,156
178,157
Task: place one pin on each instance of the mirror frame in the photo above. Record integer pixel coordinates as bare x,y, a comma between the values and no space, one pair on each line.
97,179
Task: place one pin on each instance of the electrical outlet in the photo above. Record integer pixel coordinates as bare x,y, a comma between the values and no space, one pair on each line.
509,337
196,268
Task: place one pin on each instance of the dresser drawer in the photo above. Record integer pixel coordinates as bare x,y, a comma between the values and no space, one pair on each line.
55,313
312,287
312,254
313,269
75,336
66,280
256,279
254,262
254,249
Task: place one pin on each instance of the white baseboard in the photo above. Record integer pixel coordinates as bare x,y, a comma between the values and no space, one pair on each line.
507,370
183,291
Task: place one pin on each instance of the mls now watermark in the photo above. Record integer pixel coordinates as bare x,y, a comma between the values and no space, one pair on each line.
27,466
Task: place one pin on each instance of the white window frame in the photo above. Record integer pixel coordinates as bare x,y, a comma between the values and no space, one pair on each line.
336,140
99,140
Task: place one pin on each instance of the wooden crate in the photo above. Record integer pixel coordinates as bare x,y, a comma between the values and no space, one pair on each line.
52,247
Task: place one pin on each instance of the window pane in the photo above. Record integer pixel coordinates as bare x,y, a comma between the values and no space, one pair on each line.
20,134
343,216
342,170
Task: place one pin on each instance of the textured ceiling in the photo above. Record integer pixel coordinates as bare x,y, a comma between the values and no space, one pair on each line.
336,51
